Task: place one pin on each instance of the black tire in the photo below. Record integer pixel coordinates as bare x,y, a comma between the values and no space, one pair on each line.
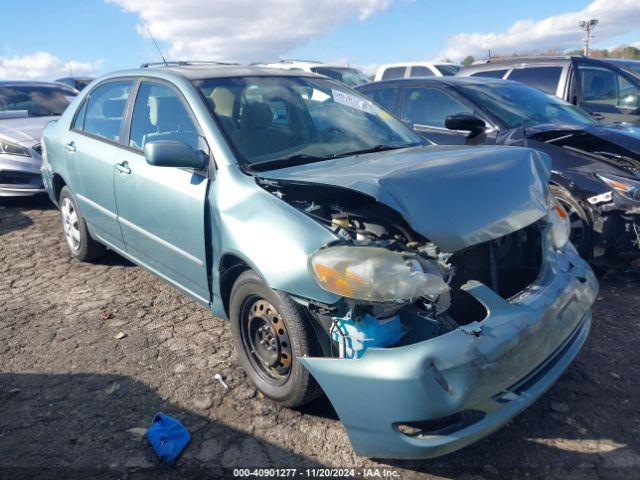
292,385
581,225
82,246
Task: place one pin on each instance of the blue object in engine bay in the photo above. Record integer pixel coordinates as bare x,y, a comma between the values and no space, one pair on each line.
355,335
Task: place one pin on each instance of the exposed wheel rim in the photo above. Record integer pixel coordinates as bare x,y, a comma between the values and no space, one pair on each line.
577,223
265,340
70,224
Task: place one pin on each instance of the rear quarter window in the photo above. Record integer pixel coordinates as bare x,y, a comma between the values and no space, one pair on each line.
542,78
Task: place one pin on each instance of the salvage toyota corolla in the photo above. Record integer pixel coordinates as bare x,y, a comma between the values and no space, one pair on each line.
430,292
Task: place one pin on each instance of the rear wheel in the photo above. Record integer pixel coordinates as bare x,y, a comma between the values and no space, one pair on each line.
80,243
581,226
271,331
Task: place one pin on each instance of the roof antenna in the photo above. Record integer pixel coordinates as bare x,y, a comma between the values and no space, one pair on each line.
159,51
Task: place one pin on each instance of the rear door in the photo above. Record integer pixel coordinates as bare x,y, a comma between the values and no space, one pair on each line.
607,91
161,210
92,150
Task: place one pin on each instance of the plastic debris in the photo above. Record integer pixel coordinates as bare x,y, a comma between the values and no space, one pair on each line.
218,377
119,335
168,437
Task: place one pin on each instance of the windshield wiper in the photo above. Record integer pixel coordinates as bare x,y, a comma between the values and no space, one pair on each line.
377,148
290,161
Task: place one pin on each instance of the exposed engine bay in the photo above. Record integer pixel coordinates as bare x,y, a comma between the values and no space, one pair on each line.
507,265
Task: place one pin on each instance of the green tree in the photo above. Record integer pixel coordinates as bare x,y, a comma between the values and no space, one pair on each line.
468,60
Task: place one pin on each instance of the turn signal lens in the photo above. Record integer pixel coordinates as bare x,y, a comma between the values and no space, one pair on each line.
560,225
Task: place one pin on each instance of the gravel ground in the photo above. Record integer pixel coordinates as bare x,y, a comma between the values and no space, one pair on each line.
75,399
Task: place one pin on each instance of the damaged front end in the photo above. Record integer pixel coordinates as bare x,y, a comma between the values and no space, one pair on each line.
432,349
600,165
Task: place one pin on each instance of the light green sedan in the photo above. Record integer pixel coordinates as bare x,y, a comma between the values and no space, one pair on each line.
430,292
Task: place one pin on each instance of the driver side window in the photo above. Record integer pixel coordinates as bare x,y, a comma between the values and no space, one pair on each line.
159,114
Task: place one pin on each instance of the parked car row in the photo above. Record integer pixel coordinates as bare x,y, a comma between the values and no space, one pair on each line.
407,247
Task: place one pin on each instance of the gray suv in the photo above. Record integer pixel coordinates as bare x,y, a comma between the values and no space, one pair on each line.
607,88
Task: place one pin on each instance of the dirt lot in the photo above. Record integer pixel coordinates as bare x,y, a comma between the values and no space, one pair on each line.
74,400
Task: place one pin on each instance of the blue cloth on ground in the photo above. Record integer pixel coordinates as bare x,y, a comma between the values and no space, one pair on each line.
168,437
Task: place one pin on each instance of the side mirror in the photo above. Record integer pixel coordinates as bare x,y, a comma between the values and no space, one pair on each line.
173,153
465,122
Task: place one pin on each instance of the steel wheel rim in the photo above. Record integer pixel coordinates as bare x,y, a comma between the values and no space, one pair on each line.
265,340
70,224
576,222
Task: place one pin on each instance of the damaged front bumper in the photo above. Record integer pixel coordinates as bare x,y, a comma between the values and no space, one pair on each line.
616,228
433,397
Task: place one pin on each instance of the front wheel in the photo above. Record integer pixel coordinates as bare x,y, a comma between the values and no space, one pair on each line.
80,243
271,331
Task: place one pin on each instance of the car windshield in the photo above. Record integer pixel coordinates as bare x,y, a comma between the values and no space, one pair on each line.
33,100
350,76
517,105
281,121
448,70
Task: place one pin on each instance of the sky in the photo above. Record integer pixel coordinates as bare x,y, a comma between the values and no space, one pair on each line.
46,39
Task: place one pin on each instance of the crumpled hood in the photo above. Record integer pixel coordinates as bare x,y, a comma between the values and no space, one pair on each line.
454,196
27,130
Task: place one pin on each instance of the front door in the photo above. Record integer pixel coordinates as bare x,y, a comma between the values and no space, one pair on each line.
161,210
92,148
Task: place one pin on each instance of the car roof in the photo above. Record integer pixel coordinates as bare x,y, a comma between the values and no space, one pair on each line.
205,71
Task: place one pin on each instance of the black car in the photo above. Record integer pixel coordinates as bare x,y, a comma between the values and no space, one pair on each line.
596,167
76,82
608,88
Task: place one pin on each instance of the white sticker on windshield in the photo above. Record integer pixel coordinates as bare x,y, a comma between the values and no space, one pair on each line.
352,101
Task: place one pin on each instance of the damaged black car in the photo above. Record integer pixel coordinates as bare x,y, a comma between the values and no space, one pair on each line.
596,167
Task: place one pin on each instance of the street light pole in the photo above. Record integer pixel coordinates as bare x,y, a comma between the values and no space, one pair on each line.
587,26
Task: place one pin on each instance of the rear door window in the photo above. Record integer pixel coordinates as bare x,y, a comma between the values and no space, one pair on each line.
430,106
490,73
542,78
385,97
105,109
420,71
393,72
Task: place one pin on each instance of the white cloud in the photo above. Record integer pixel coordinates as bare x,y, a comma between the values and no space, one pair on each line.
43,66
559,31
243,30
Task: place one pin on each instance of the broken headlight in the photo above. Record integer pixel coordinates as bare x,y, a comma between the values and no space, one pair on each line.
627,188
560,225
373,274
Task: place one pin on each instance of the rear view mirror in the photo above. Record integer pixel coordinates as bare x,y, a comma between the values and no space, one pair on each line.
465,122
173,153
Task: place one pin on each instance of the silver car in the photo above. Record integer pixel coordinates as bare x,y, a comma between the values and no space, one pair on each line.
25,109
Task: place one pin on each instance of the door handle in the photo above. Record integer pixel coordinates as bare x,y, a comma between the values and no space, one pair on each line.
71,146
123,168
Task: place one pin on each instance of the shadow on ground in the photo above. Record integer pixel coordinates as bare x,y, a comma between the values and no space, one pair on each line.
91,426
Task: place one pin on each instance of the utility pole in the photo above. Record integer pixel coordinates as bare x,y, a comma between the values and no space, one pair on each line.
587,26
